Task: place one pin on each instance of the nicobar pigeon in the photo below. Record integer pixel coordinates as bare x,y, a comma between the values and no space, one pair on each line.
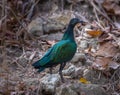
62,52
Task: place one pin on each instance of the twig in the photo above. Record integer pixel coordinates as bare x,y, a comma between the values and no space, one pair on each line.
29,16
96,15
103,14
114,73
98,23
32,56
17,18
82,17
15,61
1,20
6,7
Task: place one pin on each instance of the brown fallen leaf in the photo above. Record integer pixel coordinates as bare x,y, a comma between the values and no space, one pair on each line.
94,33
101,63
111,7
107,49
104,63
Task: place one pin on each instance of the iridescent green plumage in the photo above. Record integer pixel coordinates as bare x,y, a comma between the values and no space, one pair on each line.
61,52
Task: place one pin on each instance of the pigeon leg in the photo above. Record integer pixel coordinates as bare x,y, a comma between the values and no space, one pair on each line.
60,71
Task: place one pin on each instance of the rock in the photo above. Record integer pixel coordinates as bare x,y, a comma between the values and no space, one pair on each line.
52,26
78,57
73,71
65,91
49,84
80,89
55,36
70,70
83,44
94,76
62,18
35,28
38,27
78,72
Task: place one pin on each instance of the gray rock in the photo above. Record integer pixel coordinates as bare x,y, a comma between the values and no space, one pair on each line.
78,72
65,91
83,44
80,89
70,70
49,83
55,36
38,27
73,71
35,28
78,57
54,23
52,27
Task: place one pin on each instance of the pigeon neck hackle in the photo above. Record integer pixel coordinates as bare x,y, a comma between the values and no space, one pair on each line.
69,34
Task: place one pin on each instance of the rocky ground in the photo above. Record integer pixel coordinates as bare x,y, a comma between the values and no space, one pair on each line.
95,68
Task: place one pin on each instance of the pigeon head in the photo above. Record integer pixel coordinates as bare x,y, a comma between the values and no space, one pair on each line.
75,21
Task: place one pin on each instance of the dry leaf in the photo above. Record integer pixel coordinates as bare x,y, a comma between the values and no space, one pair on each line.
104,63
107,49
114,65
101,63
111,7
83,80
94,33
